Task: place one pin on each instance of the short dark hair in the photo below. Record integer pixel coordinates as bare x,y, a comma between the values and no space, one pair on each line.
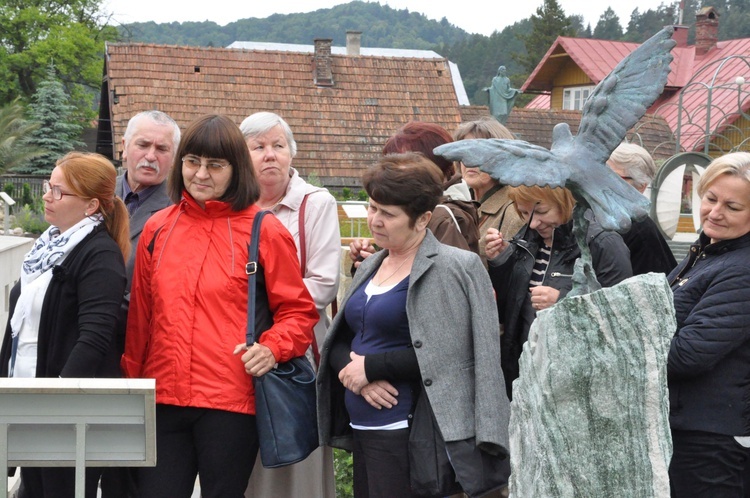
407,180
422,137
218,137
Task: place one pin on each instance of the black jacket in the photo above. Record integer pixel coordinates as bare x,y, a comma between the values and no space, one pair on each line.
79,312
511,278
709,359
649,252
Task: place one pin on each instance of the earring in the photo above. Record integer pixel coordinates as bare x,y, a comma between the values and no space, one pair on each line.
86,214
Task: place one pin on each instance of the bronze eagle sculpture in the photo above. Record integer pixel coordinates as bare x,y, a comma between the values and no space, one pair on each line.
578,163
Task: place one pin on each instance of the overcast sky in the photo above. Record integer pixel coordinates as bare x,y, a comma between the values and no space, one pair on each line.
474,16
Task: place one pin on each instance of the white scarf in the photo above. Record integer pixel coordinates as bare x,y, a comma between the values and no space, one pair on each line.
50,248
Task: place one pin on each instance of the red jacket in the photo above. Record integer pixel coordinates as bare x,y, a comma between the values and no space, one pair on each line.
188,307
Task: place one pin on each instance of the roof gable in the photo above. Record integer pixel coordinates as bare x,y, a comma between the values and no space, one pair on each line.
596,58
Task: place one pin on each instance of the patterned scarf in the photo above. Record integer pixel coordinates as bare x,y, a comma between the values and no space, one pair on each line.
52,245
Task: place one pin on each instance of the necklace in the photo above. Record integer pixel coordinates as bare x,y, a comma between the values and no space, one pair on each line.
379,284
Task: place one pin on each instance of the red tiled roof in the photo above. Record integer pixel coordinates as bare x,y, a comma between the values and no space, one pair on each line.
541,101
690,73
339,130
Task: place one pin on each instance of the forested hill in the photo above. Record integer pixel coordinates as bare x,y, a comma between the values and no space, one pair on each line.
381,26
519,47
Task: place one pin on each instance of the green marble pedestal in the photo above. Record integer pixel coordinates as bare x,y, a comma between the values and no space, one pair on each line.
590,411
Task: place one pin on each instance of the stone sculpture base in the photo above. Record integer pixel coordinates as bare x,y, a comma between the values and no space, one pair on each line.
590,411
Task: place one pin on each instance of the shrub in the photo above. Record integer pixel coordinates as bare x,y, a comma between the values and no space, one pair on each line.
26,199
30,218
343,470
9,189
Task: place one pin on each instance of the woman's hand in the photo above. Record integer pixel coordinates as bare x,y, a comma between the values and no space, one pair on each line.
359,250
494,243
380,394
542,297
258,359
353,374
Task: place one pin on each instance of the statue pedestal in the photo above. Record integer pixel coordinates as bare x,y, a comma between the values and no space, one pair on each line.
590,411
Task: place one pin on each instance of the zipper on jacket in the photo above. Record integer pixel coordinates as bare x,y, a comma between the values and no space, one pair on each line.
557,274
679,280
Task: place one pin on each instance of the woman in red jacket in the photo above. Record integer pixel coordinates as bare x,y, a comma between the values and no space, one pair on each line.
188,312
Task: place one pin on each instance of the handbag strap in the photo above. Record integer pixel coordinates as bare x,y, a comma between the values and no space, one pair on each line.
252,273
303,266
302,243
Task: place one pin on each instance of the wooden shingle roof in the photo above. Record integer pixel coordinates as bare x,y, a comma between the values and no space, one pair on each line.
535,126
339,130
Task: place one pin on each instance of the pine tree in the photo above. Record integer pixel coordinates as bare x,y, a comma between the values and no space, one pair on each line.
608,27
57,133
549,22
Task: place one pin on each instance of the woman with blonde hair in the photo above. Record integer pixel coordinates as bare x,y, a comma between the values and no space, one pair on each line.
534,270
64,308
708,366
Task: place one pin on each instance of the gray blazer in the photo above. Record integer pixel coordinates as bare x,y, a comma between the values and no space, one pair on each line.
453,325
156,201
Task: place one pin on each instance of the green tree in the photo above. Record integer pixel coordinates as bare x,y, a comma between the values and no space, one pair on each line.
68,33
549,22
643,26
58,129
608,27
14,130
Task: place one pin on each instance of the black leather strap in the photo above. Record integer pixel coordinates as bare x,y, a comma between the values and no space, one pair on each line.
251,269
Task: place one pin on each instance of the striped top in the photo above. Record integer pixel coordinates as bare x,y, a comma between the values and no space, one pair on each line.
541,263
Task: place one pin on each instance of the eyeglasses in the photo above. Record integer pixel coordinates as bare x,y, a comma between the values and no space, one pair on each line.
57,194
195,162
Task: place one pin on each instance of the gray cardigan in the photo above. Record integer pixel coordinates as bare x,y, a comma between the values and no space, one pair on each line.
453,325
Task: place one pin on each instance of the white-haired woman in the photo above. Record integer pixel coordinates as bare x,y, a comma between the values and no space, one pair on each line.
649,252
709,359
310,214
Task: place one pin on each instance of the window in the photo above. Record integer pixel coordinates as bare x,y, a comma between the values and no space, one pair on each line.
575,97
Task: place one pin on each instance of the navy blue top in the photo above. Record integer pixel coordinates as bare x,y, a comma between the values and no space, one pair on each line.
379,325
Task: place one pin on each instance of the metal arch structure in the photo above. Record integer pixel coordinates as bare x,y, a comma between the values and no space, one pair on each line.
666,190
726,99
710,128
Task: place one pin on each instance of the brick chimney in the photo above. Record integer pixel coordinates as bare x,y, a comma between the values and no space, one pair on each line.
706,30
353,42
680,35
322,71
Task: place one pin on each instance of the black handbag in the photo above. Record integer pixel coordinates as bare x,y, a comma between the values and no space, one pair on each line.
285,404
437,468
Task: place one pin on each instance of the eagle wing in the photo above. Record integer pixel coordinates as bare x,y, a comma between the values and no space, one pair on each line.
511,162
622,98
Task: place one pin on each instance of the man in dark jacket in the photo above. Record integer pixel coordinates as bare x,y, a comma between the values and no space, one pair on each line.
649,252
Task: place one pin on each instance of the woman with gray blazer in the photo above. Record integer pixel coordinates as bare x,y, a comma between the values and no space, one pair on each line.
418,320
